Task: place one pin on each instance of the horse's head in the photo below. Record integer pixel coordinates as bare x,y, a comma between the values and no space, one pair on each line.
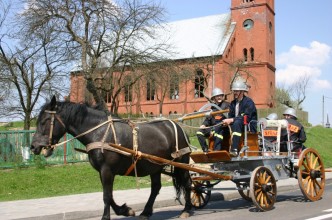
50,128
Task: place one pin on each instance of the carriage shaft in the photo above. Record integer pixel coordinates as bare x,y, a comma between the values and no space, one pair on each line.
176,164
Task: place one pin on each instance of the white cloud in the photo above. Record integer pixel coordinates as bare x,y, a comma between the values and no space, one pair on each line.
300,61
321,84
317,54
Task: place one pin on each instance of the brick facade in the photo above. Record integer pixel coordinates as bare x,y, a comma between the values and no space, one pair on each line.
259,44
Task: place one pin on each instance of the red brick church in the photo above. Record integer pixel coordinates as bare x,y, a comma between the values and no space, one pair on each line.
247,33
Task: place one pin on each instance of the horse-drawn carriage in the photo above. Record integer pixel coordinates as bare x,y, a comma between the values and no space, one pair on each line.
120,147
258,167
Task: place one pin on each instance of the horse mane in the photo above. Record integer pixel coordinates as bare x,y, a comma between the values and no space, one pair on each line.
79,110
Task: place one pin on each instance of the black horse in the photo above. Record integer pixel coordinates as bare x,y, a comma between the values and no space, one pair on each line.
158,138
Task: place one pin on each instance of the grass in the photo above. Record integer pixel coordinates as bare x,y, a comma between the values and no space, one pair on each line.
320,138
16,125
17,184
29,183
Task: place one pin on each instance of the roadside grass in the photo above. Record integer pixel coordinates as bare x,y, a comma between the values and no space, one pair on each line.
16,125
30,183
320,139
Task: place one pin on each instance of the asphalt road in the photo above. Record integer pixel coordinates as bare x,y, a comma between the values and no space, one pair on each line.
290,205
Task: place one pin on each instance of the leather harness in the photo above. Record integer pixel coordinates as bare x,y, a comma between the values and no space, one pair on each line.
103,145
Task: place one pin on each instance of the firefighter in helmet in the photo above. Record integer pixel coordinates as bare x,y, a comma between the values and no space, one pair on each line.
297,134
240,107
207,129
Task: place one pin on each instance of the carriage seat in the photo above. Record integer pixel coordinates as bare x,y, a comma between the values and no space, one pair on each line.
252,142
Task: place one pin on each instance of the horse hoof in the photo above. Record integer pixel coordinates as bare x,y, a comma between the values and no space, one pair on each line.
131,212
184,215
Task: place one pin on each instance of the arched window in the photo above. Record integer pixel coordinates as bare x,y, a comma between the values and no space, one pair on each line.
199,84
128,90
245,54
174,87
150,89
252,54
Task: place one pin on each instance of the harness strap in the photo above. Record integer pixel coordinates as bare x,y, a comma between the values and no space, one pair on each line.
99,145
136,156
110,124
176,136
181,152
107,129
51,127
80,135
133,165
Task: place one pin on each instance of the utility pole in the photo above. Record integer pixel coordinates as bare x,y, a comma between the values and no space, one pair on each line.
323,113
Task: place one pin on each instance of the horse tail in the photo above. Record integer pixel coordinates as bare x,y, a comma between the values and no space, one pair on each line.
181,178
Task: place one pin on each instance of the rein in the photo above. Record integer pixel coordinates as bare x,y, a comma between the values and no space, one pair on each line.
54,115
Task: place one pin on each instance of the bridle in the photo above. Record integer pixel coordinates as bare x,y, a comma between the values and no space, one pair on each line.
53,115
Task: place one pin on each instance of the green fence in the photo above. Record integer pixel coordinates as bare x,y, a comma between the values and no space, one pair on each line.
15,150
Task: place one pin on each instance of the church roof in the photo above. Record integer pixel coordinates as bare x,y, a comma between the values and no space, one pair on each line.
199,37
190,38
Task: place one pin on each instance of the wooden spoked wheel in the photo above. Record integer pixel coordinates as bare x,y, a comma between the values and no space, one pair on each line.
311,174
200,193
263,188
244,191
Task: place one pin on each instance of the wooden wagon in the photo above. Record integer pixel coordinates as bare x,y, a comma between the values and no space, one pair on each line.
255,171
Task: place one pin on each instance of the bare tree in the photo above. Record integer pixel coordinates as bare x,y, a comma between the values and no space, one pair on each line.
102,34
298,90
282,97
239,67
163,79
293,95
4,84
30,65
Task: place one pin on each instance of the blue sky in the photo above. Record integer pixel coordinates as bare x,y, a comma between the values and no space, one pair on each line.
303,44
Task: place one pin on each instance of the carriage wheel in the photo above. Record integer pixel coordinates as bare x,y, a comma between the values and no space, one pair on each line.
263,188
244,191
311,174
200,193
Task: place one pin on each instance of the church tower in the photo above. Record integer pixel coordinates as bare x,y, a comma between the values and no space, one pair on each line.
255,43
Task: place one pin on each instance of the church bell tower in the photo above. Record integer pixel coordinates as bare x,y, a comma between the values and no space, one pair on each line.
255,44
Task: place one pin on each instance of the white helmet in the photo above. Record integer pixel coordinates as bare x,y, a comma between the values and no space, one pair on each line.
239,85
216,92
290,111
272,116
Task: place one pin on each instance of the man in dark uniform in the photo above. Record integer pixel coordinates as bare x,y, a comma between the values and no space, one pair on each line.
206,129
297,134
240,107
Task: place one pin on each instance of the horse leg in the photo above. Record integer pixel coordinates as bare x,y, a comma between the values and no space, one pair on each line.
187,194
155,188
107,179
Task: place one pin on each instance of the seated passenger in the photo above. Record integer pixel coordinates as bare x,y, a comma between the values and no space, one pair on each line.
205,131
240,107
297,134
